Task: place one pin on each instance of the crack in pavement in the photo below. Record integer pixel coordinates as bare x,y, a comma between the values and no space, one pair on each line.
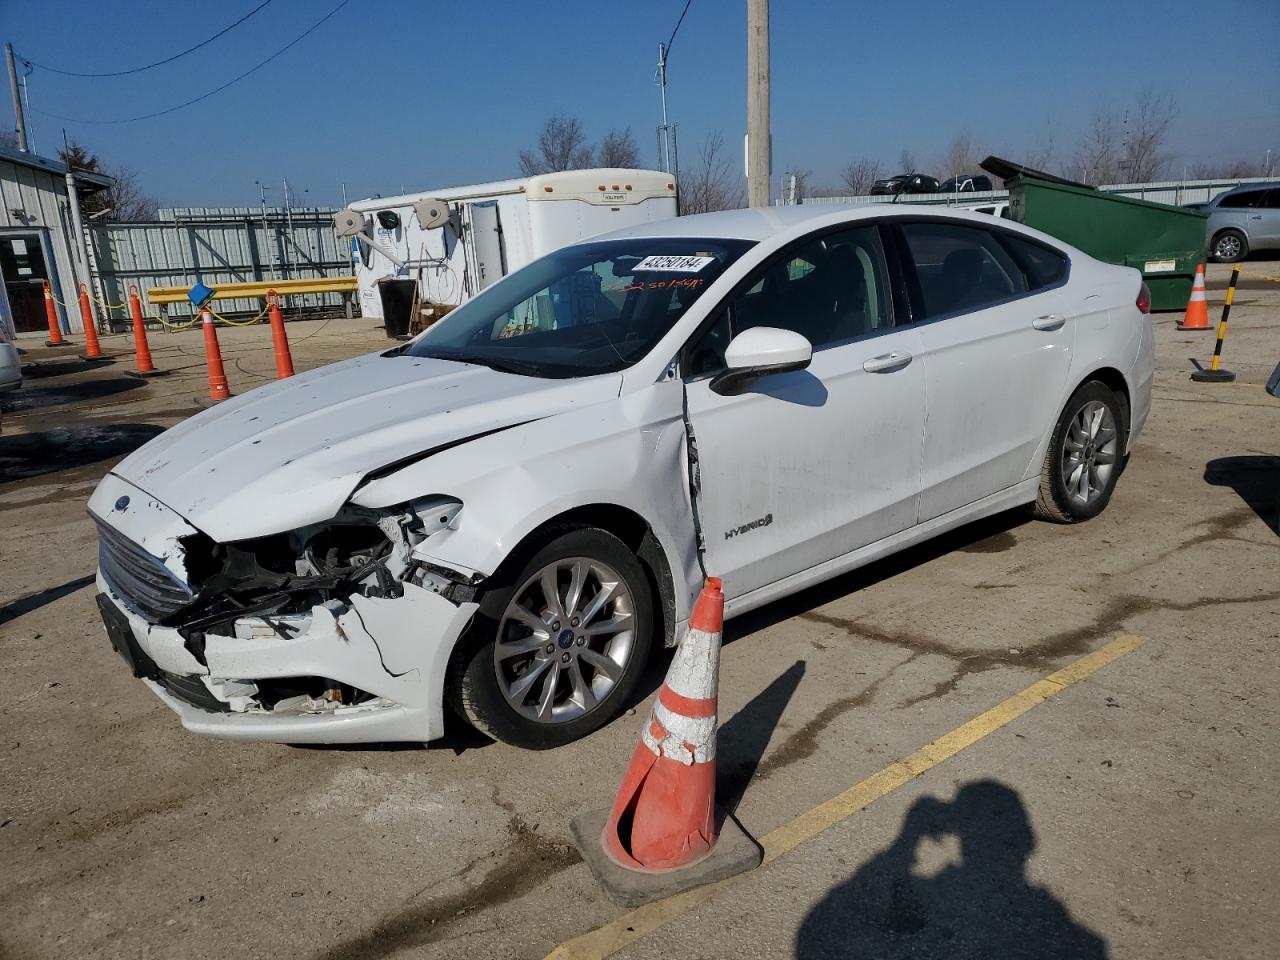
531,860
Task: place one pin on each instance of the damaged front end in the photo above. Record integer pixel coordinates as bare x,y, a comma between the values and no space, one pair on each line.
335,631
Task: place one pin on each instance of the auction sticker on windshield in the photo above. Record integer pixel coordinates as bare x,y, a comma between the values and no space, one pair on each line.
674,264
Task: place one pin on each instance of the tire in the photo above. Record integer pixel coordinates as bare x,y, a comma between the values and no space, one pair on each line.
1077,459
1229,246
591,675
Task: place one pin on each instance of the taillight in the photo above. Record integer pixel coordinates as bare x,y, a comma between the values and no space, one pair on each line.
1144,298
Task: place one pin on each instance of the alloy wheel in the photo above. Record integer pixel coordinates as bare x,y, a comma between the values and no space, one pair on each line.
564,640
1227,247
1090,449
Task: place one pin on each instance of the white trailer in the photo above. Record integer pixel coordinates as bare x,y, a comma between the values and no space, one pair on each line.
452,243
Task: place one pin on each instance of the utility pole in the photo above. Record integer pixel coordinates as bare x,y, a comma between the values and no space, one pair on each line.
758,133
77,225
664,131
20,118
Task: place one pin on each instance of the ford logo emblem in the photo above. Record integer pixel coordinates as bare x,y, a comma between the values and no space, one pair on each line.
122,503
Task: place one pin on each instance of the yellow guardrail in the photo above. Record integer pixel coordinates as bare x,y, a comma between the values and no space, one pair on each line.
257,288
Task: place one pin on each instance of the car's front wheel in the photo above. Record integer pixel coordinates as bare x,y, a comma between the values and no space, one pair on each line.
1085,456
1230,246
558,643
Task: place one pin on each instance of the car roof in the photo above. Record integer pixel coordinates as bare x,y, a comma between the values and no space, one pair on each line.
1241,187
761,223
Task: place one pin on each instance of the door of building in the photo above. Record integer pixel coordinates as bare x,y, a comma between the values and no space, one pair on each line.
23,266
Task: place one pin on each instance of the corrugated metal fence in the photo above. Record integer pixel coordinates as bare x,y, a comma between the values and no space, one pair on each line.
216,245
1175,192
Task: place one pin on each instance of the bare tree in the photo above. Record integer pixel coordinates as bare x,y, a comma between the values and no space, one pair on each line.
1042,154
859,176
126,200
1126,146
1097,158
1142,154
907,161
618,149
561,146
802,183
1227,169
961,156
710,183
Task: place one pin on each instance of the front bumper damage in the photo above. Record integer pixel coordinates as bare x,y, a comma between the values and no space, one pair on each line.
393,651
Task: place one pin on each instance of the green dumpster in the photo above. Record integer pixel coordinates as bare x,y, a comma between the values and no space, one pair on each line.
1164,242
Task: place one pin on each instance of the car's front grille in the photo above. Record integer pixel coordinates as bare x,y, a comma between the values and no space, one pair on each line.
144,583
191,689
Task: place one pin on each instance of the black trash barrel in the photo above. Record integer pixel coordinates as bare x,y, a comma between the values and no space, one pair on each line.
397,305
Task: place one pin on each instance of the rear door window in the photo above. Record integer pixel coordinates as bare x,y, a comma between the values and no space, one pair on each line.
960,268
1241,201
1043,267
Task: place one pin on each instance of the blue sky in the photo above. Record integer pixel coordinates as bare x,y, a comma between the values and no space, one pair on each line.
390,94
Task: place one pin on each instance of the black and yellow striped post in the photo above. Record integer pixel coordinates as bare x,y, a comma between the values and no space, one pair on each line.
1214,374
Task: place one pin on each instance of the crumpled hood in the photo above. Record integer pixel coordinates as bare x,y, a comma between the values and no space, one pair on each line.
291,453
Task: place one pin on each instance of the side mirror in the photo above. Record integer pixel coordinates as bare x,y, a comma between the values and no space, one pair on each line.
759,352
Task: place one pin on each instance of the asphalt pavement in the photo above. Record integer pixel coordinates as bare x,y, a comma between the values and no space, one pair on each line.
1129,813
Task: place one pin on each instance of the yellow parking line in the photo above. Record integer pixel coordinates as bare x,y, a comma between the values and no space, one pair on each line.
640,922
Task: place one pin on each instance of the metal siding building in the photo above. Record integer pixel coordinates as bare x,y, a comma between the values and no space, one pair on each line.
217,245
1175,192
37,241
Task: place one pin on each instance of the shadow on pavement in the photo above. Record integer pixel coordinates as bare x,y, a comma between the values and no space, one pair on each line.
982,907
1256,480
742,739
34,398
990,535
58,368
34,601
64,448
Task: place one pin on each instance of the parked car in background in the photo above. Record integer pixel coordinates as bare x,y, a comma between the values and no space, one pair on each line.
996,208
10,361
966,183
904,183
508,513
1242,220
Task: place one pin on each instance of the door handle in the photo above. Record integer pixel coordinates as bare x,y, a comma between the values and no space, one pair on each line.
1050,321
887,362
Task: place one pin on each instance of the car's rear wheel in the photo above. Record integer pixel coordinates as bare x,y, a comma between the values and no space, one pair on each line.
1085,456
559,642
1229,246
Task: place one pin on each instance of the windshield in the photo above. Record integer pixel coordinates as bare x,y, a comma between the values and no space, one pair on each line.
589,308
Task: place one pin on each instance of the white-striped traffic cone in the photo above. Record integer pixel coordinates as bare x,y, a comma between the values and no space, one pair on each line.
1197,315
664,814
662,835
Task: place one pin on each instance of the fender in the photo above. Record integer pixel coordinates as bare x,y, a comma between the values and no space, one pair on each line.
629,452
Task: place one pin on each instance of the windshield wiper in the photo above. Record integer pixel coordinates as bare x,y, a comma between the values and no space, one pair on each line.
502,365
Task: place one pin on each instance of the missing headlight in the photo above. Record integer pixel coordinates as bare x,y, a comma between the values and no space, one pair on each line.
359,551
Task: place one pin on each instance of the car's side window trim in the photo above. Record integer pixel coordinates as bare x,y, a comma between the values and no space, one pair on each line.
907,265
725,306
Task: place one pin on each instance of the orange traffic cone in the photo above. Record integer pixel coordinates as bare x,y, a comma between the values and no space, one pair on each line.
92,349
218,390
51,314
279,341
661,834
1197,317
143,367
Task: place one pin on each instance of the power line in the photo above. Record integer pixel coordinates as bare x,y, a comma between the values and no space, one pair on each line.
158,63
204,96
672,39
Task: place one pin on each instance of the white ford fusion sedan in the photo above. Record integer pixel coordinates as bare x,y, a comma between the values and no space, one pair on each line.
507,514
